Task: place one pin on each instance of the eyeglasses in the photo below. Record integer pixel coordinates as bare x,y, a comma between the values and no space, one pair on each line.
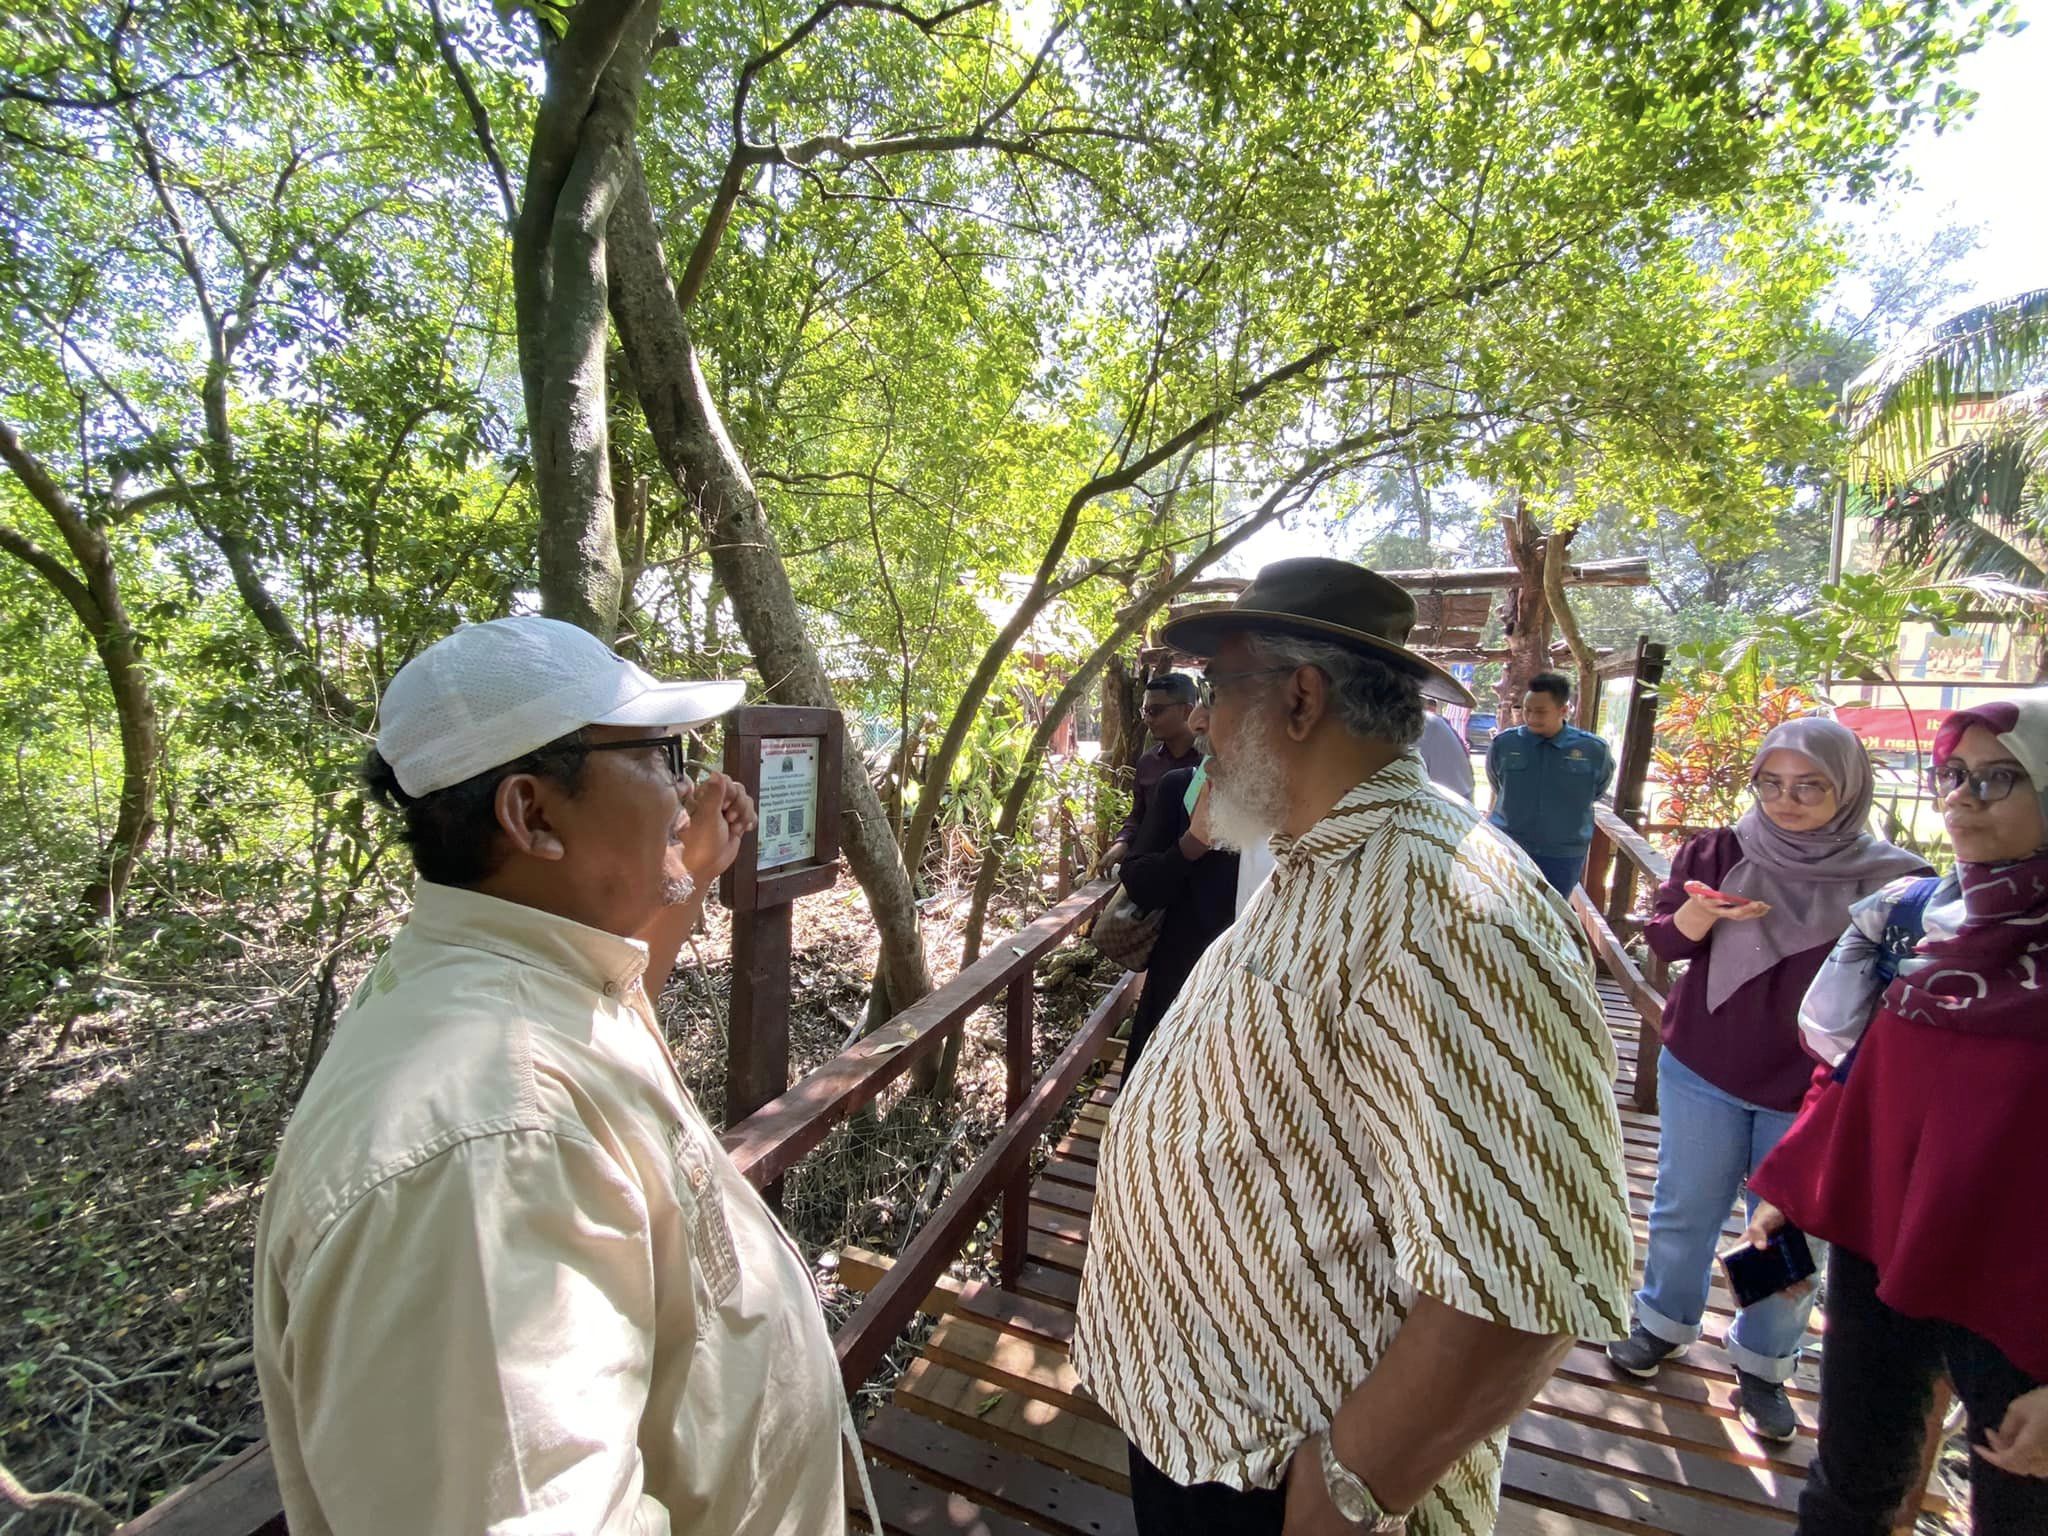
1205,690
1800,791
671,749
1154,711
1989,785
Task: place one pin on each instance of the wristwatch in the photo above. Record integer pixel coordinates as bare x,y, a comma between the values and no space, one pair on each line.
1353,1499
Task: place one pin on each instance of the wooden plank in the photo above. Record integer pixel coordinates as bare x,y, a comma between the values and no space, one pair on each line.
1604,1405
866,1336
771,1141
1064,1197
237,1498
997,1479
1519,1519
1055,1253
1028,1425
976,1299
1041,1371
912,1507
1593,1493
1689,1376
1646,1461
1067,1171
1082,1149
1056,1287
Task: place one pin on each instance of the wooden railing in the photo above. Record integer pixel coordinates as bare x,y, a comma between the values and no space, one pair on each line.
1619,860
240,1497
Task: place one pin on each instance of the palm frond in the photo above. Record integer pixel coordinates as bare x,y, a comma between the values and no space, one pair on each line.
1898,406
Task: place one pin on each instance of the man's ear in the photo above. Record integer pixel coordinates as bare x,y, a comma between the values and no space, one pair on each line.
522,805
1308,701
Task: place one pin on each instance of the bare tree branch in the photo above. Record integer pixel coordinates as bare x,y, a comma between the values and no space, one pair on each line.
479,119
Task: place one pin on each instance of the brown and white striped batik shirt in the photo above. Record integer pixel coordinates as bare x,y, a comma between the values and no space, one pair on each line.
1391,1077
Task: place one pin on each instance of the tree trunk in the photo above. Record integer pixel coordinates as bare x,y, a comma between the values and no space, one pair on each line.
1529,635
1123,738
95,597
1556,563
691,440
582,147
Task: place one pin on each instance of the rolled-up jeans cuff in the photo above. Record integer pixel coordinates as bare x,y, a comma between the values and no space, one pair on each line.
1657,1323
1771,1368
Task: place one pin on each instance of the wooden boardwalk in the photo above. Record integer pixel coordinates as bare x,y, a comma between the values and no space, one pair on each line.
989,1432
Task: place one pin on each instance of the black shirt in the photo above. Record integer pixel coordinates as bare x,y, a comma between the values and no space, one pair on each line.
1199,897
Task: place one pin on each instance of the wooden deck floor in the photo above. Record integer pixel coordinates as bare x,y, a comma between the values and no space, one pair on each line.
989,1432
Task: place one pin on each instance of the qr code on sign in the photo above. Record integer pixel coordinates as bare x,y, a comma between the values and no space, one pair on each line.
796,823
772,825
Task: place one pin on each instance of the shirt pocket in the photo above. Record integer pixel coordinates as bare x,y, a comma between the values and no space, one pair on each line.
714,1257
1578,765
1513,760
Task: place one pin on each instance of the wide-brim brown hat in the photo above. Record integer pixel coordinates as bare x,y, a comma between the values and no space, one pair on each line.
1320,599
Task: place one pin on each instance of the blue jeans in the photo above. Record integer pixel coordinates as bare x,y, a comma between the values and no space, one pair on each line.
1562,873
1711,1142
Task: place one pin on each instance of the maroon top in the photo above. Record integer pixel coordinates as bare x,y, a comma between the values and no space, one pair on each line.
1929,1161
1749,1047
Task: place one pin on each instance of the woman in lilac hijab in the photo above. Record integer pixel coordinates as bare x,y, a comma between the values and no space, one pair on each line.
1754,909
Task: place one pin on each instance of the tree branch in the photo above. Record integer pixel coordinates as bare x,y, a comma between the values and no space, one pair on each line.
479,119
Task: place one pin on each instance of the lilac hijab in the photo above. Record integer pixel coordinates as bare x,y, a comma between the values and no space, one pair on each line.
1811,879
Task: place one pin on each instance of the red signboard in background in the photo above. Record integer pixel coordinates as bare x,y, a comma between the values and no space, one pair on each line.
1893,730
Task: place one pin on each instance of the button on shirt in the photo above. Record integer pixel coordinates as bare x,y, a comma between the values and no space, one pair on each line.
506,1278
1544,788
1391,1078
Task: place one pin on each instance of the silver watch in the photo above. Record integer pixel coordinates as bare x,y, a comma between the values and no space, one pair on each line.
1353,1499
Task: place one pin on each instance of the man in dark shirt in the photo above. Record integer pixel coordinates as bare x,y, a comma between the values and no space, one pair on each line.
1174,867
1545,776
1168,698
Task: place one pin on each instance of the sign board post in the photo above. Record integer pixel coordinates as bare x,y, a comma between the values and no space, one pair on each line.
788,758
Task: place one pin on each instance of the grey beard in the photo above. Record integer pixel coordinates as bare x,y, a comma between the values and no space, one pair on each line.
1247,797
677,889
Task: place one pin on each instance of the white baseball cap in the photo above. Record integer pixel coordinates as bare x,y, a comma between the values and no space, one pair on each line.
491,693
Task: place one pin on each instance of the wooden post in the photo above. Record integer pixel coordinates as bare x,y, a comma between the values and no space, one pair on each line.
1632,773
757,1053
757,1035
1639,731
1017,1047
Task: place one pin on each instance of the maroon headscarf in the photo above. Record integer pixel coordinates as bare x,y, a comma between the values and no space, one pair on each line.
1991,976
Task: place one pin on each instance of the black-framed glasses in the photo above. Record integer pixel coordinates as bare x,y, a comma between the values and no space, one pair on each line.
1989,785
672,747
1205,690
1807,792
1154,711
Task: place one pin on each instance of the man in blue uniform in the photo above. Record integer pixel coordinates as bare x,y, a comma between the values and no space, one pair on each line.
1546,775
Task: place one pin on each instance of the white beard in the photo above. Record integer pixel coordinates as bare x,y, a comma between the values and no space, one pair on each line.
1248,795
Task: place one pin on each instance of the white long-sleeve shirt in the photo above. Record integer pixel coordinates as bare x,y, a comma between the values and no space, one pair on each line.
506,1278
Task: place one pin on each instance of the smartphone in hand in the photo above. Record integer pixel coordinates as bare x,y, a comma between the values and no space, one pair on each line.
1754,1273
1706,892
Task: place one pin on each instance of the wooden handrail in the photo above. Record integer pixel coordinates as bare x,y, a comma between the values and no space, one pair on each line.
1631,844
1646,999
770,1141
867,1335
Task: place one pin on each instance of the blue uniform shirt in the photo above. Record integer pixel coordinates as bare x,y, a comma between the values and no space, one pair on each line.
1544,789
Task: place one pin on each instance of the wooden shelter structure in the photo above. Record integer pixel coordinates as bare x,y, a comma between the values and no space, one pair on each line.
1452,608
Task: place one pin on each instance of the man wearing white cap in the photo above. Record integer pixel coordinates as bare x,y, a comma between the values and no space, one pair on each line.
506,1278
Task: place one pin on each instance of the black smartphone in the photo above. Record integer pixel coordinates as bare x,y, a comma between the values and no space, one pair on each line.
1754,1273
